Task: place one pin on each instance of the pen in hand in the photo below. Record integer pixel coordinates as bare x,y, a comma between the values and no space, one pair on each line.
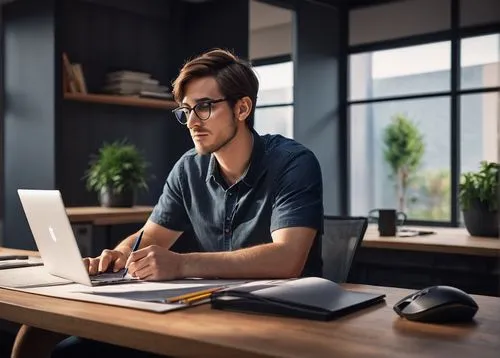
136,246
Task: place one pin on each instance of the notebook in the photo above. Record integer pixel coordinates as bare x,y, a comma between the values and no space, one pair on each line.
310,297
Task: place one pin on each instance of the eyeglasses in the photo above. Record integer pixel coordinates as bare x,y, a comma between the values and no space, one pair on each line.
203,110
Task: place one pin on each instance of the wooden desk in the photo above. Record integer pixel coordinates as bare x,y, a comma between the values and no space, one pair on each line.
446,240
451,257
96,233
6,251
202,332
97,215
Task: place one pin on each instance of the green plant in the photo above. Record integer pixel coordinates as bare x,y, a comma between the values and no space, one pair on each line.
433,188
481,185
404,149
118,166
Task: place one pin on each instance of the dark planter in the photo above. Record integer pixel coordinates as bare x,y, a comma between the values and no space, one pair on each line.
479,221
109,198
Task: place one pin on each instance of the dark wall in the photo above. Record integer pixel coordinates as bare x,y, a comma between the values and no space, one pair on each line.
29,109
105,38
86,127
108,36
222,23
317,122
48,140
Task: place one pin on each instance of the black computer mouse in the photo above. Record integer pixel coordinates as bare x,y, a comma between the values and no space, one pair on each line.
437,304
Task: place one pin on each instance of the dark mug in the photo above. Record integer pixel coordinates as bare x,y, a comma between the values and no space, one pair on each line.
388,220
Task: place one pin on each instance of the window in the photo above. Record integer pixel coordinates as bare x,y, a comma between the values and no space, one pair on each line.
479,110
274,110
401,121
423,191
480,62
398,156
402,71
480,117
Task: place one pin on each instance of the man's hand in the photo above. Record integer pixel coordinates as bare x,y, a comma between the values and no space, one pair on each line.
155,263
108,258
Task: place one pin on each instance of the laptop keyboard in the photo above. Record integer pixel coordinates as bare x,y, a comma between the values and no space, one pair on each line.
109,276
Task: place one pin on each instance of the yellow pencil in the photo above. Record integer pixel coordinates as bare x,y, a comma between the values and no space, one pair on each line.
195,298
192,294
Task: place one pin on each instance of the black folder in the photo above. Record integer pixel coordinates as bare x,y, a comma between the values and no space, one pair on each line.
309,297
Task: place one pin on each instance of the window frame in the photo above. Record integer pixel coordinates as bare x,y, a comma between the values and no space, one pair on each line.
274,60
455,35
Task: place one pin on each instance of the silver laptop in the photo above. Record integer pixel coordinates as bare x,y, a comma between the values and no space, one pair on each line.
56,241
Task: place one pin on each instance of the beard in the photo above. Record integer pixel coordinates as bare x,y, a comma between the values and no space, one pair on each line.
220,143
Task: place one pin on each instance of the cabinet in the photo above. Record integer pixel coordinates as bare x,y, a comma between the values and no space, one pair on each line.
418,269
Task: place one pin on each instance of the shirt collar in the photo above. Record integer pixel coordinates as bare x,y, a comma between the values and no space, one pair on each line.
254,169
212,167
252,173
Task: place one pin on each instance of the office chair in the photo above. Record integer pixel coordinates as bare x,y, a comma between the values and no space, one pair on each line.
341,238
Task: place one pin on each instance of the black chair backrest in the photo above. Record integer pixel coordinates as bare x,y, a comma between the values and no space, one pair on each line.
341,238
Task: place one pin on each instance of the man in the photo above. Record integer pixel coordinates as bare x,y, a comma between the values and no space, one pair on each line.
254,202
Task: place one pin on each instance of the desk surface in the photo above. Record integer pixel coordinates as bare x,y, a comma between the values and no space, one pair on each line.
200,331
97,215
8,251
446,240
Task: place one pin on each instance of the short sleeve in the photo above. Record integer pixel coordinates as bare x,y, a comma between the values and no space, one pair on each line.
170,211
299,194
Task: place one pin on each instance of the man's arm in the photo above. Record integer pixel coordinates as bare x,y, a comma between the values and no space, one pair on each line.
168,212
283,258
154,234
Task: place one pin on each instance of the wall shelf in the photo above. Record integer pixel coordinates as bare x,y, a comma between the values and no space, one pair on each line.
121,100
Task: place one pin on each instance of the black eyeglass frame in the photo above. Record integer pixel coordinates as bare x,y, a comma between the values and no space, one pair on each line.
183,109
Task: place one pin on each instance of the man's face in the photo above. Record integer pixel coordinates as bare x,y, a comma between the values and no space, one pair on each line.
213,133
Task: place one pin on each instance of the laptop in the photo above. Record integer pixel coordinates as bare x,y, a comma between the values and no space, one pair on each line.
55,239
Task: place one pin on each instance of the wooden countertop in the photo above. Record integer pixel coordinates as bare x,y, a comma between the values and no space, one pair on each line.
446,240
97,215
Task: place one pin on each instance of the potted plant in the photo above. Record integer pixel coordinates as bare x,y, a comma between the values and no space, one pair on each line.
478,197
404,149
116,173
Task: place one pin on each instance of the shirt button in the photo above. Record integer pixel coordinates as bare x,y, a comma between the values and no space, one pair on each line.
227,230
230,194
228,218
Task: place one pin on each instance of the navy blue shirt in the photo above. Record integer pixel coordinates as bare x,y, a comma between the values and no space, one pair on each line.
281,188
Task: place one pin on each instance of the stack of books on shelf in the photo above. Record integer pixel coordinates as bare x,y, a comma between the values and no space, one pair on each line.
133,83
73,78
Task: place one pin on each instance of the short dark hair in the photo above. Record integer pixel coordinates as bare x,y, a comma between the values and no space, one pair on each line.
235,77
